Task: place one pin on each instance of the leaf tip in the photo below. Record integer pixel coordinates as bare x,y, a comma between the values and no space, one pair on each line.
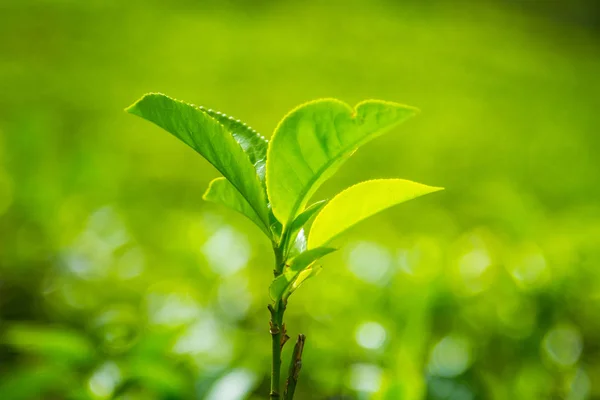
135,107
131,108
390,104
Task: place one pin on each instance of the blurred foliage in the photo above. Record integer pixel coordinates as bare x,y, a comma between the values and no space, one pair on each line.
116,280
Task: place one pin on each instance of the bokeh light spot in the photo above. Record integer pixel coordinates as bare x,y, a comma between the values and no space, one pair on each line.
227,251
171,309
370,262
422,260
450,357
233,386
206,337
529,268
366,378
371,335
235,297
563,345
91,254
104,380
580,386
471,268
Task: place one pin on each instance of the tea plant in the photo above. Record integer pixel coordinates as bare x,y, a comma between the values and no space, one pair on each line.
271,183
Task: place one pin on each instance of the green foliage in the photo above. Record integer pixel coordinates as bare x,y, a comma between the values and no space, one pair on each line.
312,142
101,213
221,191
308,146
253,144
293,275
235,153
295,230
360,202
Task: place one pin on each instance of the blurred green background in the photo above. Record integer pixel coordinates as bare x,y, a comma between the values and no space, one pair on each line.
117,280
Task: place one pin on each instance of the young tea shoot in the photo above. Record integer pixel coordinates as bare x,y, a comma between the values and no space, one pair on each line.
271,183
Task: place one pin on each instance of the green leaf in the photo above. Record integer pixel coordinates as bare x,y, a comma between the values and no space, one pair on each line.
280,285
296,246
196,128
312,142
56,343
301,220
305,274
254,144
221,191
308,257
275,226
284,284
359,202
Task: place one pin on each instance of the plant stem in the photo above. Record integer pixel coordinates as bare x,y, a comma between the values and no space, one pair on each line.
277,327
295,366
276,330
279,260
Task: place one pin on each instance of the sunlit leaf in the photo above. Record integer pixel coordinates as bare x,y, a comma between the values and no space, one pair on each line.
275,225
221,191
305,274
298,223
308,257
283,285
311,143
196,128
254,144
280,285
359,202
297,246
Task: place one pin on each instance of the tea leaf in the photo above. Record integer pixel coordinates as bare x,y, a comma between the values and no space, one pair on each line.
221,191
284,284
253,143
211,139
301,220
359,202
305,274
312,142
